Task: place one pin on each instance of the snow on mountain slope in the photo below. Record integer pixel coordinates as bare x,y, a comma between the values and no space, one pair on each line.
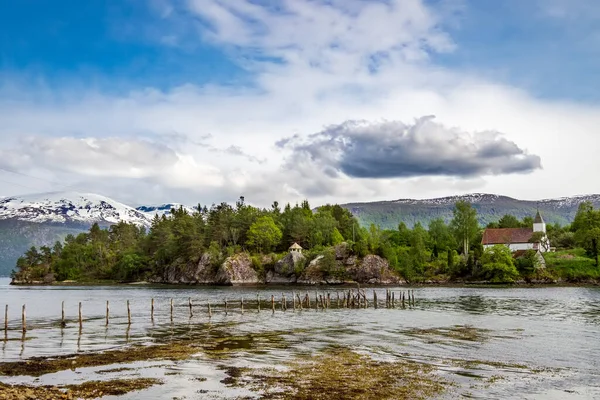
163,209
63,207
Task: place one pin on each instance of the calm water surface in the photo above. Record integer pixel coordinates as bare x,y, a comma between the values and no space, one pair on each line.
552,333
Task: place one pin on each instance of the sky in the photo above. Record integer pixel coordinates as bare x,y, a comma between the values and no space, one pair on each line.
204,101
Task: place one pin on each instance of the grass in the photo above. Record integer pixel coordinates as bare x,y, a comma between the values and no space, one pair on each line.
572,265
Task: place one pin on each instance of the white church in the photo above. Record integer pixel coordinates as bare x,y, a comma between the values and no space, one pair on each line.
519,238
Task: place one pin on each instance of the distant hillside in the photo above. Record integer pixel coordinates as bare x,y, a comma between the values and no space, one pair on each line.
490,208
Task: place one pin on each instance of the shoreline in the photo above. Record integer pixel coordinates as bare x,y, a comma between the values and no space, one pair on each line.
588,283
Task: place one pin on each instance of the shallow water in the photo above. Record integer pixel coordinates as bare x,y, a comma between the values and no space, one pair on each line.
536,343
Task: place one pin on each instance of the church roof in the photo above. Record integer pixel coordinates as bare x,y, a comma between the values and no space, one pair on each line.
506,235
538,218
295,246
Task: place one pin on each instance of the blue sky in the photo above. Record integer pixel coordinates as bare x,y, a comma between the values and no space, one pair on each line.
172,100
121,45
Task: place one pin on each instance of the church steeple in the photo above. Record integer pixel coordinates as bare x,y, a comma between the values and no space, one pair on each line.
538,218
538,223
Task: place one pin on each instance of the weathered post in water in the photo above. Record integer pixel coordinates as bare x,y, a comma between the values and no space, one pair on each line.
152,309
63,323
403,304
209,311
283,302
299,301
24,319
258,302
107,312
242,304
80,317
6,318
374,298
128,313
190,305
293,300
273,303
171,310
225,305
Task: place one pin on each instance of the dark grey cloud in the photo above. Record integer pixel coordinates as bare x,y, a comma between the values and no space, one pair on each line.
392,149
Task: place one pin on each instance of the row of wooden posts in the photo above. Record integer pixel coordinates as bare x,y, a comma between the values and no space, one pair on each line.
349,299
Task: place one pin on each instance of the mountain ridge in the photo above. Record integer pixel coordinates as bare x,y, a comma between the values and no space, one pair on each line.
490,207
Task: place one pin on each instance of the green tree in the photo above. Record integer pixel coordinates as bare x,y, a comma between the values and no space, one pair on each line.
440,235
464,224
497,264
264,234
336,237
509,221
586,226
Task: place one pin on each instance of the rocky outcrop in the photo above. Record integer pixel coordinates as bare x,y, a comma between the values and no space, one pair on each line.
237,270
287,269
373,270
201,273
336,267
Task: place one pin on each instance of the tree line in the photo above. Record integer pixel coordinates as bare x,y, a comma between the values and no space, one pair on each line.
453,250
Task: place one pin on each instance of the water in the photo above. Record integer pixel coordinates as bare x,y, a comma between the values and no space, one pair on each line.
543,342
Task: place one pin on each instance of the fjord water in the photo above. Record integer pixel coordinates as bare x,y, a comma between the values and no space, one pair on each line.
536,343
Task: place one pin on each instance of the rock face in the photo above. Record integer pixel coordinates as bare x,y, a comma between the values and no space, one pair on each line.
334,268
286,269
237,270
373,270
203,272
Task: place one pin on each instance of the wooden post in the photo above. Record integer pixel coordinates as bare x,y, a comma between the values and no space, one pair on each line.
413,298
190,305
299,301
128,314
242,304
258,301
6,318
403,304
273,303
225,305
283,302
171,310
338,298
24,319
152,309
63,323
328,300
317,299
293,300
375,299
107,312
209,311
80,317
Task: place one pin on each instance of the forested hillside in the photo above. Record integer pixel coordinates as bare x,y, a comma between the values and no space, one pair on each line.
489,208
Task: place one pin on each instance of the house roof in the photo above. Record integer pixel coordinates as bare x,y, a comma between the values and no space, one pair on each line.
538,218
295,246
507,235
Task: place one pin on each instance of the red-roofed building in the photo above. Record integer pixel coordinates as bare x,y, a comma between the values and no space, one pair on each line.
518,238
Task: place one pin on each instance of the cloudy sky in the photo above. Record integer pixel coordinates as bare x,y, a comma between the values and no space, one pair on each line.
332,100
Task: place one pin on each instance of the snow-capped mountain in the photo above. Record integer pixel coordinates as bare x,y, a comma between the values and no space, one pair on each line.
163,209
69,207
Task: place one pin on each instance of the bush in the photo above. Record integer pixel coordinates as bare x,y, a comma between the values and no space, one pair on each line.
497,265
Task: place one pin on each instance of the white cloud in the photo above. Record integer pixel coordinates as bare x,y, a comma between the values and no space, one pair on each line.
315,64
